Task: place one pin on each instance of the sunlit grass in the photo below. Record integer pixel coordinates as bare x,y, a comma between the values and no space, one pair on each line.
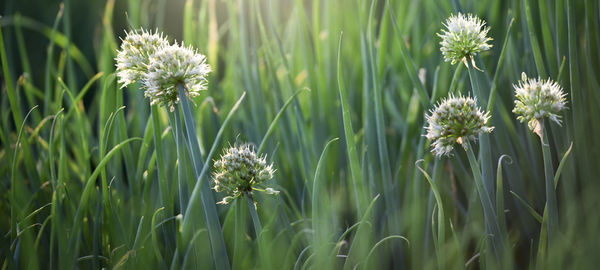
335,94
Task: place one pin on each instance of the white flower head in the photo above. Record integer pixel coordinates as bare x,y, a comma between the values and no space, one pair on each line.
134,55
240,171
171,66
464,37
455,119
536,99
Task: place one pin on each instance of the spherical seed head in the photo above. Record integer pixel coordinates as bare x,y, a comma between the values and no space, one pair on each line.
171,66
464,37
134,55
536,99
455,119
240,171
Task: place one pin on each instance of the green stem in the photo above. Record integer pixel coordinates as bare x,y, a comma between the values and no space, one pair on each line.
457,73
485,153
210,210
188,118
239,225
179,137
162,179
550,194
492,226
258,230
475,86
254,214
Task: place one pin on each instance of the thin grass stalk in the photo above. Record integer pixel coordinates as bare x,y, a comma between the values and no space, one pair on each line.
319,220
26,67
121,135
500,195
155,245
441,230
16,112
548,42
301,139
49,54
382,144
537,52
249,77
269,132
429,232
80,120
407,60
57,221
13,215
361,238
357,186
492,226
85,196
105,134
71,77
492,97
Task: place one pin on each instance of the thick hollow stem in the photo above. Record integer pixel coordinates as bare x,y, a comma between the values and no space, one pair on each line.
254,214
175,119
457,73
550,194
163,187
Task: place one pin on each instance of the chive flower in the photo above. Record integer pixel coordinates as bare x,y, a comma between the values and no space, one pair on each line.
536,99
173,66
134,55
240,171
162,68
464,37
455,119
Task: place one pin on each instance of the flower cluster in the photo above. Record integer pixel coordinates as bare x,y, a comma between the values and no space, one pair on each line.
134,56
455,119
240,171
536,99
148,57
171,66
464,38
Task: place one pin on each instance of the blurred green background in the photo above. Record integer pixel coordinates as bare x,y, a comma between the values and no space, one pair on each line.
59,54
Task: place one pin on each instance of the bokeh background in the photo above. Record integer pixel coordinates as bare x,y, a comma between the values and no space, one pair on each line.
390,70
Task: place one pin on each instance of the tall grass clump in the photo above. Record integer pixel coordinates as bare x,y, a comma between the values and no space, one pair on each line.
299,134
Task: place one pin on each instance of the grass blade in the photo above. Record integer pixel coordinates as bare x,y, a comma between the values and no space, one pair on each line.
488,210
262,145
549,183
357,186
210,211
441,220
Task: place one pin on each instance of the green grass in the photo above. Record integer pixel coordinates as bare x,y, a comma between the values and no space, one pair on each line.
334,93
